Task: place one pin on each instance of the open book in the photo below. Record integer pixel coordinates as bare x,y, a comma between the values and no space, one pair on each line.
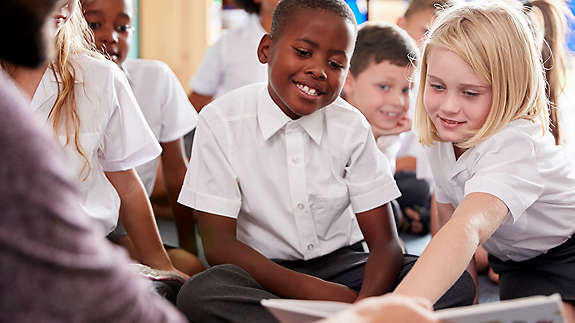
535,309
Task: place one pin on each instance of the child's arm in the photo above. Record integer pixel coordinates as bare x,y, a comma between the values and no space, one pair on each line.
385,254
221,247
174,170
452,248
137,217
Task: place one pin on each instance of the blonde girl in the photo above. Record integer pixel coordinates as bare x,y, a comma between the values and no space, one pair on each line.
500,179
89,105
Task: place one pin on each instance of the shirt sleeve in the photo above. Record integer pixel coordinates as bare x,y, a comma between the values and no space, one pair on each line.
508,170
128,141
208,76
210,184
369,176
178,116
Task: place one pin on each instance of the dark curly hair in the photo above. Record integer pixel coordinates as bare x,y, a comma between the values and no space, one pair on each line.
248,5
286,8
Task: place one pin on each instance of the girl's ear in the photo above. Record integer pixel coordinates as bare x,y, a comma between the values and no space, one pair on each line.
264,49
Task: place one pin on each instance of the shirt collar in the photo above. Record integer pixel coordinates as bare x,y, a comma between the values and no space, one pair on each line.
271,118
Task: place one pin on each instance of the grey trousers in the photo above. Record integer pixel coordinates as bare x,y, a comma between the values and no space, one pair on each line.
227,293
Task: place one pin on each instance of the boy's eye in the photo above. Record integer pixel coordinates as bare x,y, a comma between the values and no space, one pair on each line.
335,65
302,52
94,25
405,90
383,87
124,28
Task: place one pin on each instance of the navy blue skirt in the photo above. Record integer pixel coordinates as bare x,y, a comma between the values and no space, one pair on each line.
546,274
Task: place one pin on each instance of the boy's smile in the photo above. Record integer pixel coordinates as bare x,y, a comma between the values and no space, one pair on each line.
308,61
381,93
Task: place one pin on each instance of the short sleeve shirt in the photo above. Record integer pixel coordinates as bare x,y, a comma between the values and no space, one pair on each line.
232,61
524,169
164,104
292,185
114,135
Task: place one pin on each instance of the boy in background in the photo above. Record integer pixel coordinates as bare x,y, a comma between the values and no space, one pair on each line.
379,85
287,181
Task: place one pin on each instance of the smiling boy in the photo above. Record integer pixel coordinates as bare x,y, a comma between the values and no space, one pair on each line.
287,181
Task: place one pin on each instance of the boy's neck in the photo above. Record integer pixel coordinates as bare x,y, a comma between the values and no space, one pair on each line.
28,79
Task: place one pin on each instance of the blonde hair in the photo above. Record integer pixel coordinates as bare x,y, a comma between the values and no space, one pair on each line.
416,6
508,61
73,38
553,52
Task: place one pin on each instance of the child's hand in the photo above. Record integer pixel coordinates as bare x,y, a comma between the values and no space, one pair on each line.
403,125
387,308
318,289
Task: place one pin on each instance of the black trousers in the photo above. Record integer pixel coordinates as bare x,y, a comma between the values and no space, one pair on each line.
227,293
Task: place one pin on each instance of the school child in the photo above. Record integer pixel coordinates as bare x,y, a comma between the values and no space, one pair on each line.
412,173
89,105
419,15
56,266
548,18
379,85
165,107
500,179
231,62
287,181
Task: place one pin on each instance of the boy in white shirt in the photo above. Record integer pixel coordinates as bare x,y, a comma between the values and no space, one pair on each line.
287,181
231,62
379,85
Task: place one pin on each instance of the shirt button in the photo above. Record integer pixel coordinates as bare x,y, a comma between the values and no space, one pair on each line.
300,206
310,247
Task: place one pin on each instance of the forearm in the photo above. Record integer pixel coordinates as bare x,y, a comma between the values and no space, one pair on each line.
442,262
138,220
381,269
276,279
183,215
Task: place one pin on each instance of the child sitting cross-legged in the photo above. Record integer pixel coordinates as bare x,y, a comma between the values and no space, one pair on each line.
287,181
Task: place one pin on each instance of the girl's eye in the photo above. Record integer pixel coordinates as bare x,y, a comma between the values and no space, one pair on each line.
335,65
470,93
124,28
383,87
94,25
437,87
405,90
302,52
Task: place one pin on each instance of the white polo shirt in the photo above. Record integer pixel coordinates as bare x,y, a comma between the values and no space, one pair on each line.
113,133
292,185
390,146
232,61
164,104
524,169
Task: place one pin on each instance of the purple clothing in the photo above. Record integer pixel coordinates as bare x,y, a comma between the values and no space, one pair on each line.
53,266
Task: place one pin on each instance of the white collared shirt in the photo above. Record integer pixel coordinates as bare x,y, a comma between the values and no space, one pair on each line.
526,171
292,185
164,104
113,133
232,61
